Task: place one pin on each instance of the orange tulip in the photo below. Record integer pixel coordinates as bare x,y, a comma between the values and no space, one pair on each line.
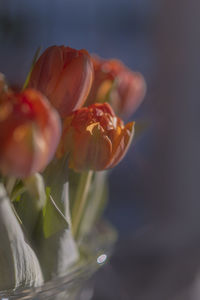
115,83
29,133
94,138
65,76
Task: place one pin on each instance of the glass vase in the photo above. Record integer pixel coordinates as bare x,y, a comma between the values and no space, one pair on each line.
77,283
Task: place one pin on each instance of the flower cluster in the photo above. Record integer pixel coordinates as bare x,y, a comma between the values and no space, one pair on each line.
66,124
118,85
65,110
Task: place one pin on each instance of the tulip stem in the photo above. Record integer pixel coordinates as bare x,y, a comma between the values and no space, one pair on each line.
31,68
80,201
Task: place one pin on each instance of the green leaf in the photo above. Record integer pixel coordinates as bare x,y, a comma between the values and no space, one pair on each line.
19,265
53,218
96,199
36,188
31,202
17,191
57,250
81,200
31,68
96,203
56,178
57,253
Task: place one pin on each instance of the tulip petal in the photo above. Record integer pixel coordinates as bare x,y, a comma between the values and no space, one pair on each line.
50,62
94,138
115,83
65,76
96,148
32,133
75,78
121,145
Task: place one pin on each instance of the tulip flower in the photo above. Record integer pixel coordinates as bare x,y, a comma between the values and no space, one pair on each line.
94,138
118,85
65,76
29,133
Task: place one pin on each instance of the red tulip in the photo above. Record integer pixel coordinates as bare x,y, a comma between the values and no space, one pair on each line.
115,83
94,138
65,76
29,133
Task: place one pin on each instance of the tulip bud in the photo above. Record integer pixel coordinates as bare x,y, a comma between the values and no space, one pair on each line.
115,83
29,133
94,138
65,76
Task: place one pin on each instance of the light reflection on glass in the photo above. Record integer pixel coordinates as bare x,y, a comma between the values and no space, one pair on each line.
101,259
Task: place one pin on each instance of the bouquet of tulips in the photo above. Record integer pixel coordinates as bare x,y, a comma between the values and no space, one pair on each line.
58,136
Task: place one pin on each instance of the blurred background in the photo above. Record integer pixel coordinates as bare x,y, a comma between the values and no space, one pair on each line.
154,192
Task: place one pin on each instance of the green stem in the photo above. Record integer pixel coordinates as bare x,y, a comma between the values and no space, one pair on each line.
80,201
96,204
31,69
16,214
